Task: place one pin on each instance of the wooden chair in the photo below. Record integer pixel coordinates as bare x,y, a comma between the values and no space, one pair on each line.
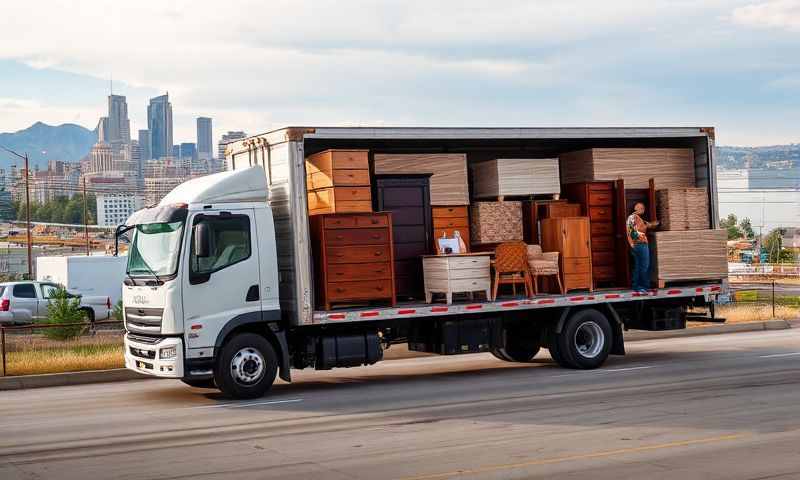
542,265
511,267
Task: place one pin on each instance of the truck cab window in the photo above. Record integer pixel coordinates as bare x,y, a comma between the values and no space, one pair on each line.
230,244
49,290
24,290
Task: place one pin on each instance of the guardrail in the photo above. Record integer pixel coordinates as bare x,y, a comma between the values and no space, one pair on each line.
778,269
91,327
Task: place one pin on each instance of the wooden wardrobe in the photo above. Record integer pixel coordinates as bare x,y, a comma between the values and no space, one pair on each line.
571,238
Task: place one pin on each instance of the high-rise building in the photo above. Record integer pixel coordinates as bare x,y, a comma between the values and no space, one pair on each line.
114,208
176,151
102,159
159,122
119,126
204,139
226,139
102,130
188,150
144,144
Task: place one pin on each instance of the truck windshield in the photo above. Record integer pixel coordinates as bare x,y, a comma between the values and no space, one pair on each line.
155,249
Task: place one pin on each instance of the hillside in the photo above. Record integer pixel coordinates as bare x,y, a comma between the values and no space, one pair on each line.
43,142
775,157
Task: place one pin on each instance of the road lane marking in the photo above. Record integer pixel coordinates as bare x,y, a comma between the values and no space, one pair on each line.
778,355
243,405
603,371
585,456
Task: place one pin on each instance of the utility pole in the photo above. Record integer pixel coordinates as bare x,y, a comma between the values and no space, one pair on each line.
27,208
85,218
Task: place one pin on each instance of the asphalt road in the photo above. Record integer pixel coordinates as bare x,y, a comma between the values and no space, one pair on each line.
712,407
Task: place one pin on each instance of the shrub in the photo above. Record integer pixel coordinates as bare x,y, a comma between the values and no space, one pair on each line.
117,312
64,309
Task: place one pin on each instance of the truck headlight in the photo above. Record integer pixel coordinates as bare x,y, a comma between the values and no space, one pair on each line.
167,353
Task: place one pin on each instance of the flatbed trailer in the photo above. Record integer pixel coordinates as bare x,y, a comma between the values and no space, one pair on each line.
199,327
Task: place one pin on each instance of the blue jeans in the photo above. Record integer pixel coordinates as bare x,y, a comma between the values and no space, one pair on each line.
641,266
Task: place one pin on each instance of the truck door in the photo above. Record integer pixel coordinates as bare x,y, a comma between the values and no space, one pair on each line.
25,303
225,284
47,292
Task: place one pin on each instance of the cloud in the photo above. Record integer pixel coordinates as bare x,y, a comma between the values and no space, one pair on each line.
777,14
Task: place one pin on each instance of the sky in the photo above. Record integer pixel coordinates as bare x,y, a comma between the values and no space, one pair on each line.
259,65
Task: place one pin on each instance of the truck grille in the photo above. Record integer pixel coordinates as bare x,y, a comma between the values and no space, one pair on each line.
143,320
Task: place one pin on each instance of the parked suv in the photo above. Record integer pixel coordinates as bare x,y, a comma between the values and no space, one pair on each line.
26,302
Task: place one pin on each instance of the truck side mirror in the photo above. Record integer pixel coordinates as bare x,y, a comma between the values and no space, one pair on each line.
202,240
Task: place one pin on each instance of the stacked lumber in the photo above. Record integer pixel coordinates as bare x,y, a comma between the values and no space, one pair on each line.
495,222
515,177
337,181
683,208
670,167
449,173
680,255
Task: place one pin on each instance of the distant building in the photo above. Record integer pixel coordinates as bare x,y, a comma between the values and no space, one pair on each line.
144,145
176,151
204,139
102,130
791,239
114,208
119,126
226,139
188,150
159,122
156,188
101,158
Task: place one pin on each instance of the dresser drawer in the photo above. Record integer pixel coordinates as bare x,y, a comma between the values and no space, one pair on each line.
359,290
602,228
604,273
600,199
470,285
340,178
358,254
602,258
603,243
340,200
372,220
600,214
339,221
359,271
450,222
331,160
470,273
601,186
358,236
577,280
577,265
442,212
477,261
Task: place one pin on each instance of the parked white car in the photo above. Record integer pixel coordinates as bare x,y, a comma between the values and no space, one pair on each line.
26,302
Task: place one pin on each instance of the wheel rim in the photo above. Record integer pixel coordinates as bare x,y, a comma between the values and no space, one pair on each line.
247,366
589,339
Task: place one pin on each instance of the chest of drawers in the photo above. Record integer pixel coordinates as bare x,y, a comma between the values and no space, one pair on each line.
448,220
338,181
597,202
353,258
450,274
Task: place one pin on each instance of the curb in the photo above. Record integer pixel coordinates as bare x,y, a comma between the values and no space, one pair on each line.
71,378
397,353
634,336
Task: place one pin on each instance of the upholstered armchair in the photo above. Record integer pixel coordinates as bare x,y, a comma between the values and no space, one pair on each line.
542,265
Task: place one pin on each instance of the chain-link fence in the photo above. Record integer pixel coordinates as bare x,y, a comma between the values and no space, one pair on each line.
52,348
758,297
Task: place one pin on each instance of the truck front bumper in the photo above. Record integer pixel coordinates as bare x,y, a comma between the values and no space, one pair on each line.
161,358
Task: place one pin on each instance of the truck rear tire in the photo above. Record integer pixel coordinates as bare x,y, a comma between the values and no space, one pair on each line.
246,367
585,340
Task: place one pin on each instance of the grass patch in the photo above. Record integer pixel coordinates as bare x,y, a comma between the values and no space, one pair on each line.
35,355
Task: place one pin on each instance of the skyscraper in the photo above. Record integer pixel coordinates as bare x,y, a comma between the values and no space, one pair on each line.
226,139
204,139
102,130
119,126
144,144
159,122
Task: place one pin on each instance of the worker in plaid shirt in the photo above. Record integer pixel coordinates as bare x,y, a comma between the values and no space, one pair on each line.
637,239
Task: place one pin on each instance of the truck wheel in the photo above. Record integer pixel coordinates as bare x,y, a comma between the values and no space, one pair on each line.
516,353
199,382
500,354
555,350
247,366
585,339
88,313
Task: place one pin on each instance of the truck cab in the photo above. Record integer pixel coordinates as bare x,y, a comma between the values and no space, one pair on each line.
217,227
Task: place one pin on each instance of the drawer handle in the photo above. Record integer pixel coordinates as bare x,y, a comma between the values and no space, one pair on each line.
374,221
340,273
380,289
340,289
378,253
340,255
339,237
376,236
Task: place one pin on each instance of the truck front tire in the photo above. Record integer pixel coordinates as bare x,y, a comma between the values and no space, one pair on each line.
247,366
584,341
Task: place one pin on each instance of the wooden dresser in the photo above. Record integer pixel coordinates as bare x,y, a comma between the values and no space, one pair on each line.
451,274
353,257
447,220
570,236
535,210
337,181
597,200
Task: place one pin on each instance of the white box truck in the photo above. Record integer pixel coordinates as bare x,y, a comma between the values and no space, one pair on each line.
86,274
236,319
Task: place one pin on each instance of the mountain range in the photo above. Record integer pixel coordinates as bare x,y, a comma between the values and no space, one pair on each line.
42,142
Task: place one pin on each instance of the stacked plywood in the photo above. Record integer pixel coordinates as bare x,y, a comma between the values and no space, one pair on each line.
338,182
515,177
683,208
689,255
496,222
449,173
670,167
